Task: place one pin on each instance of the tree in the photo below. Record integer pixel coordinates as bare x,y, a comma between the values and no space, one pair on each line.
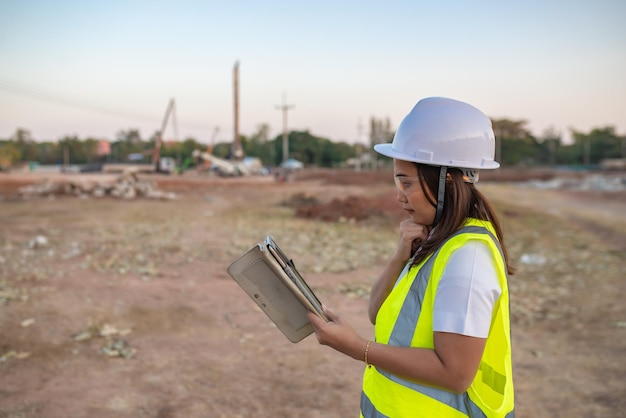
49,152
515,145
9,155
511,129
79,152
26,145
131,136
599,144
129,142
221,149
548,144
258,146
313,150
262,134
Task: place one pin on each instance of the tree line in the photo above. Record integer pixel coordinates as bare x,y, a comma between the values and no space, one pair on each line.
515,146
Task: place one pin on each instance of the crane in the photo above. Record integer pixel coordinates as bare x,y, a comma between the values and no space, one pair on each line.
162,165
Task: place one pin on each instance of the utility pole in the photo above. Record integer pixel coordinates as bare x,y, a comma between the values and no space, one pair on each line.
235,150
285,108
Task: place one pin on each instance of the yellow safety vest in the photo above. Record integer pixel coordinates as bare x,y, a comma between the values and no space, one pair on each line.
406,319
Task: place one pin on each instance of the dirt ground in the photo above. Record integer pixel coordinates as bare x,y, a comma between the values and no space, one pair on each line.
124,308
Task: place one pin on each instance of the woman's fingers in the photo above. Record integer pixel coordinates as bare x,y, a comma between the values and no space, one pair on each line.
331,315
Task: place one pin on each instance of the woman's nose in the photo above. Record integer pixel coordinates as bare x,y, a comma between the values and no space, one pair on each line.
400,197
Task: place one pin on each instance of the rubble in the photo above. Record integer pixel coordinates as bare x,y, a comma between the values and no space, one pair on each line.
598,182
118,347
533,259
38,242
18,355
27,322
126,186
114,345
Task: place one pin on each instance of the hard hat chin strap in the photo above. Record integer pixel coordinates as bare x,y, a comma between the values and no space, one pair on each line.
441,191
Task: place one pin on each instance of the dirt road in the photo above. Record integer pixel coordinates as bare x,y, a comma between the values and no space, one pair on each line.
123,308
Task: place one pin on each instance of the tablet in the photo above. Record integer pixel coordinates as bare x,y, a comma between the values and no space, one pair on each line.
272,281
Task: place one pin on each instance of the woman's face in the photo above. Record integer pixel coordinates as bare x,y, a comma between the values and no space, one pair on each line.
410,193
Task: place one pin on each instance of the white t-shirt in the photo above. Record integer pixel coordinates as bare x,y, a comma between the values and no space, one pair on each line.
467,292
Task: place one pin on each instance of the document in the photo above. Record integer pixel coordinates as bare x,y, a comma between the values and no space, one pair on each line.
272,281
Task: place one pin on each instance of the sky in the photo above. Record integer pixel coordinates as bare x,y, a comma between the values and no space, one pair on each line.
94,68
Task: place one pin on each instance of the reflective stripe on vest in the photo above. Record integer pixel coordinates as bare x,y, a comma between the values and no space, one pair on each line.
468,407
403,331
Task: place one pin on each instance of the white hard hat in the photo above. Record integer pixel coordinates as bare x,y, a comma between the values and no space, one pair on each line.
444,132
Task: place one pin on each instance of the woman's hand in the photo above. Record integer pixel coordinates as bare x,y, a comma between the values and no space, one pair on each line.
411,235
337,334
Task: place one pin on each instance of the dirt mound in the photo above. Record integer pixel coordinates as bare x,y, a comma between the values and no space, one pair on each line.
351,208
346,177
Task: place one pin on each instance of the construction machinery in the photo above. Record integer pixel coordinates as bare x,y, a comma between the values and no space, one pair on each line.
228,168
165,164
238,165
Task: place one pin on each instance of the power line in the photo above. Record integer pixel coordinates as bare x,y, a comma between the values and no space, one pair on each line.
53,98
41,95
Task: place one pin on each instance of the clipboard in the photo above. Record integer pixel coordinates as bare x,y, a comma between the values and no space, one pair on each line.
272,281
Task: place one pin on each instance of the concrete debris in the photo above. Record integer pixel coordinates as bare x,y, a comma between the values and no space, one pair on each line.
118,347
598,182
126,186
107,330
27,322
83,336
533,259
38,242
114,345
18,355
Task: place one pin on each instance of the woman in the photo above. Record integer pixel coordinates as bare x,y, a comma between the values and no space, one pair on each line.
440,307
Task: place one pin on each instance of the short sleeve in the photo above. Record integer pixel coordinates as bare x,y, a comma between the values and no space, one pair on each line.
467,292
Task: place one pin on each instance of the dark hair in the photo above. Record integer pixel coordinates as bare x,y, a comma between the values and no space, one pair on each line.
461,201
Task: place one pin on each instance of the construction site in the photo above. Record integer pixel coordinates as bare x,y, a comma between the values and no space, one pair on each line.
115,299
117,304
139,162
